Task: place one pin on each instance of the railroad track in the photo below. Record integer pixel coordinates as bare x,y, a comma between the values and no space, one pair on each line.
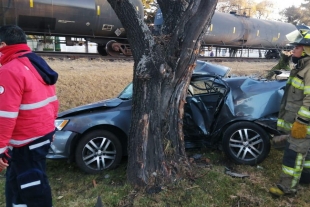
93,56
77,55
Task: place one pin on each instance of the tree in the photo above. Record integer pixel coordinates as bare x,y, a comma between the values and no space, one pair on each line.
298,15
305,7
150,7
147,3
241,7
292,14
251,8
163,66
264,9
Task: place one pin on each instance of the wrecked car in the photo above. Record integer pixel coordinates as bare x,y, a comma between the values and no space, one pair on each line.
235,114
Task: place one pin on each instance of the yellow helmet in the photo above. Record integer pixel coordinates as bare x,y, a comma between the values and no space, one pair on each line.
299,37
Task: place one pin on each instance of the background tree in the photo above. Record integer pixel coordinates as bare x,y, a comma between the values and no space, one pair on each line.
163,66
264,9
251,8
241,7
150,7
292,15
305,8
298,15
147,3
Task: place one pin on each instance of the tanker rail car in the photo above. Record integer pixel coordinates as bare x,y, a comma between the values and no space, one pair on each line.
234,31
93,20
96,21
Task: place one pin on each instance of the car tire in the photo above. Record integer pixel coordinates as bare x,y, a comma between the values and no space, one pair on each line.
98,150
246,143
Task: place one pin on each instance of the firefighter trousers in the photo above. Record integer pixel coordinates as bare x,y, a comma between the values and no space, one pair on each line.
26,181
295,164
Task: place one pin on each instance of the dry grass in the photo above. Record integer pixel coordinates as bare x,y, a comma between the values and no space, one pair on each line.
84,81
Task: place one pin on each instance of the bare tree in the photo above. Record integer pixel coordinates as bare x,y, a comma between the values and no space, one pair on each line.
305,8
163,66
251,8
241,7
292,14
298,15
264,9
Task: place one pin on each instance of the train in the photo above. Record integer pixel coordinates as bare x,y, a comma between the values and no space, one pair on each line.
93,20
239,31
96,21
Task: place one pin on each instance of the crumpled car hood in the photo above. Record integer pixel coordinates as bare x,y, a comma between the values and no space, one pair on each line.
109,103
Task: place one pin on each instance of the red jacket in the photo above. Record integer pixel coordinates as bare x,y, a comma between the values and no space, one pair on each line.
28,105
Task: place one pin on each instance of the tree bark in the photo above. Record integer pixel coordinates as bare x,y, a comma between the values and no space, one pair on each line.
162,70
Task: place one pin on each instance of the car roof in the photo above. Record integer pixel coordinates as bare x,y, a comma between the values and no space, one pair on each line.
203,68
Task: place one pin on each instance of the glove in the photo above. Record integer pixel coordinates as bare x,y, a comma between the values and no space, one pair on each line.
299,130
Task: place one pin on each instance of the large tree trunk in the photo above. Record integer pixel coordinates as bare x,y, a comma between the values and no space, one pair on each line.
162,70
159,155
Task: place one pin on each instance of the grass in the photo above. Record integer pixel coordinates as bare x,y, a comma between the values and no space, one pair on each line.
209,186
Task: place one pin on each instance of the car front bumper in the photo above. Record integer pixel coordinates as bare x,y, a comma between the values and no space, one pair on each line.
60,147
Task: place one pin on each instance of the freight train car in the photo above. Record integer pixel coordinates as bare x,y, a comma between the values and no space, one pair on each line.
230,30
235,31
93,20
96,21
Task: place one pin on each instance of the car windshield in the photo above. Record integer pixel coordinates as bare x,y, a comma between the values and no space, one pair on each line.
202,68
126,93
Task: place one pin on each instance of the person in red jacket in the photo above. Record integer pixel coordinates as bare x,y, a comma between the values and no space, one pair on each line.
28,109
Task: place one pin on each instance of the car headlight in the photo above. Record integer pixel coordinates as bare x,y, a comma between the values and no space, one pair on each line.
61,123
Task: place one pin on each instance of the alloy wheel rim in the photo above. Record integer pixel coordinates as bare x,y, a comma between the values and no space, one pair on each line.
246,144
99,153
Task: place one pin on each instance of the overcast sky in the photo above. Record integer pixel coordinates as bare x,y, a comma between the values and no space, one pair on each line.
282,4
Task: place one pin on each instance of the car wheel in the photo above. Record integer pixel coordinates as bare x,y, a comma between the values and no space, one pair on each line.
98,150
246,143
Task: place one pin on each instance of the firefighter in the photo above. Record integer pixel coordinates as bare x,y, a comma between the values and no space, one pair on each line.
294,118
28,109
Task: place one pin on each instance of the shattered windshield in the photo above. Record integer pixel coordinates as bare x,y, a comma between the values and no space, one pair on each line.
126,93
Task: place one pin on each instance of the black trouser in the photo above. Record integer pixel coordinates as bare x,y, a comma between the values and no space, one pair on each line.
26,180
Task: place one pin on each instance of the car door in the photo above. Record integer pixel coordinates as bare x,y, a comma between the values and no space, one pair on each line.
208,93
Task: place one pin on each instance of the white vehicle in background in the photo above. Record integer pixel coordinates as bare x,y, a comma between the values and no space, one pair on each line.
282,74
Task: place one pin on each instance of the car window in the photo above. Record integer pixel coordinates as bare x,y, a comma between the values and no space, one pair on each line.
208,86
126,93
198,87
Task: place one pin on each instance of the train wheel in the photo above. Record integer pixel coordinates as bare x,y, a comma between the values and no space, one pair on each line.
101,50
112,50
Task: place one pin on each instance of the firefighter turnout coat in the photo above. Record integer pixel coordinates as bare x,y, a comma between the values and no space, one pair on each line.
295,105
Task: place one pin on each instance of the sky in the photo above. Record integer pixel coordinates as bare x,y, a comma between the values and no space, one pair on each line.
282,4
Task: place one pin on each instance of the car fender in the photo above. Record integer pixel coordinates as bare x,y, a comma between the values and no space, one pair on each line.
83,123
